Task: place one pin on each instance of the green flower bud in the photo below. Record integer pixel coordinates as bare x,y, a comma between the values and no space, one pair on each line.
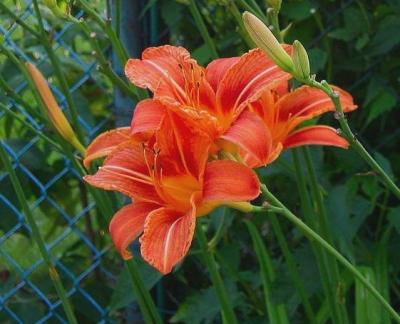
266,41
300,61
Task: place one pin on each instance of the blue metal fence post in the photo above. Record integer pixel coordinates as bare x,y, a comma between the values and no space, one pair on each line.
131,32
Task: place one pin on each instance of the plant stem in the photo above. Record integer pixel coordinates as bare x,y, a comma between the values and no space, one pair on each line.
146,304
29,126
231,5
107,27
226,307
116,43
291,263
203,28
18,20
323,230
349,135
277,206
276,312
104,65
309,215
38,238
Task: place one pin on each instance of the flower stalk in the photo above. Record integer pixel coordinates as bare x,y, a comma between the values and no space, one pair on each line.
226,307
278,207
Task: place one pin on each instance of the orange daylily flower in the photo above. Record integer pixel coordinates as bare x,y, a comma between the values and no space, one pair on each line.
283,111
170,182
213,99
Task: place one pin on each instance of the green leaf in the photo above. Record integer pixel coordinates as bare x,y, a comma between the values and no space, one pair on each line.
318,59
203,306
123,294
384,38
298,10
368,309
276,313
394,218
381,104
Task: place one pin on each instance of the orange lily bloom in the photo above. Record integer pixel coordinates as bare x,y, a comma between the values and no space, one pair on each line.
283,111
170,182
213,99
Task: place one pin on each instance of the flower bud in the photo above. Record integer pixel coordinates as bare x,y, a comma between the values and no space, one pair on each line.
266,41
53,110
301,62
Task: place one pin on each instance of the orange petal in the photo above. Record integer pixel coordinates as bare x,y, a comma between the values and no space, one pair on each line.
103,144
126,171
167,237
315,135
216,70
252,136
127,224
183,144
173,77
228,181
245,81
306,102
147,116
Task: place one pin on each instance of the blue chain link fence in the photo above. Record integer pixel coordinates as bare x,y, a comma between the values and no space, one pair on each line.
56,198
50,182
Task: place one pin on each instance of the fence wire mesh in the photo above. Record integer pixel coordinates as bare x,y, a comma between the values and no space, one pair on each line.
53,186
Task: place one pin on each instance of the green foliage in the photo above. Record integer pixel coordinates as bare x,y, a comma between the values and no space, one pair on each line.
353,44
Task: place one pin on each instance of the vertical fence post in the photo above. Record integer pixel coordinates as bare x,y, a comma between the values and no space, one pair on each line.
132,33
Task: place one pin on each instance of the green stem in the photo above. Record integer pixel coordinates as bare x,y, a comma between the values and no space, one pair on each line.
118,47
347,132
319,253
226,307
25,73
238,17
29,126
203,28
116,43
38,238
276,312
146,304
323,229
18,20
274,21
104,65
17,98
58,72
291,263
277,206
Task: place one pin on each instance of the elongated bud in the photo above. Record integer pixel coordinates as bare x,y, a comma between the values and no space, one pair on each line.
266,41
53,110
300,59
275,4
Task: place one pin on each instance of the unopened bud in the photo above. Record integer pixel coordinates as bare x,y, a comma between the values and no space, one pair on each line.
266,41
301,62
53,110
